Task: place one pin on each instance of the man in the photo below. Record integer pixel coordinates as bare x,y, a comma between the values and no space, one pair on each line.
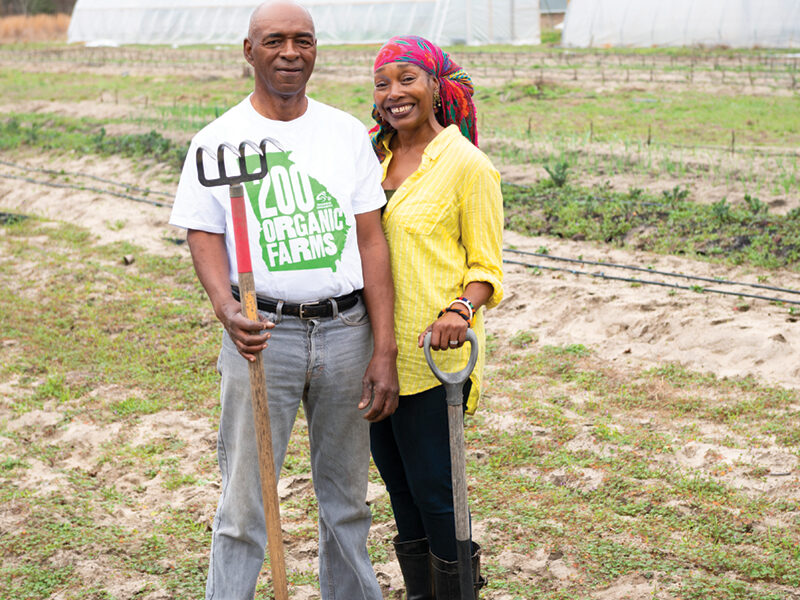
316,241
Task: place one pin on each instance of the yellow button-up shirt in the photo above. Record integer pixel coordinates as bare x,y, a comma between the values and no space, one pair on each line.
444,226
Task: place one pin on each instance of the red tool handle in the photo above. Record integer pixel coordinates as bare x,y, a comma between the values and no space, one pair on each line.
240,235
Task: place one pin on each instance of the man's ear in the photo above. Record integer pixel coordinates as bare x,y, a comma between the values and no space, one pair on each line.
247,50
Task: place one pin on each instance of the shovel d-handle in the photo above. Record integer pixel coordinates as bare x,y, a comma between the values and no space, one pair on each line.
454,379
454,385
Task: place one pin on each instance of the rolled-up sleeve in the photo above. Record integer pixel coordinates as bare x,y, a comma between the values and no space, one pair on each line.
482,230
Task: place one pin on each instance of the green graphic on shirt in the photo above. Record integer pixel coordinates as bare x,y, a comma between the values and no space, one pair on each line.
302,225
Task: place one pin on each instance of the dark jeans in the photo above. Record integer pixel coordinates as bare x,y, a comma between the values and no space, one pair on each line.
412,452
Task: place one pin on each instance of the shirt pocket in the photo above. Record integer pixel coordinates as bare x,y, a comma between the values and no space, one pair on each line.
420,213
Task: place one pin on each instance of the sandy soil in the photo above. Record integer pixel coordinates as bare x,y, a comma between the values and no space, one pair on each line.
633,326
646,325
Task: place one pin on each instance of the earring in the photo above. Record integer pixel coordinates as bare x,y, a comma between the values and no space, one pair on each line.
437,101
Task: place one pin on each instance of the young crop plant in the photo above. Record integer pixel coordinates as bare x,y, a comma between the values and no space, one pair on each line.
645,221
559,172
755,206
676,194
522,339
722,211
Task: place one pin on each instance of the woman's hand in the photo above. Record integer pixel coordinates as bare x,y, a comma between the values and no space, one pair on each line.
447,332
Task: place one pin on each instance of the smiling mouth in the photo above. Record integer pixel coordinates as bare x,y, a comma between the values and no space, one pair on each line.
399,110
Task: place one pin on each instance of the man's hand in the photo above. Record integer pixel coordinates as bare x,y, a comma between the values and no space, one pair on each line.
380,388
210,259
380,384
250,337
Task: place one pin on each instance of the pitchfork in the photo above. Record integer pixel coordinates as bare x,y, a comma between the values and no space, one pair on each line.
258,384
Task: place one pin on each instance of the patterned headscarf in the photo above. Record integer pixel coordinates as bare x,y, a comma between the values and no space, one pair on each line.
455,86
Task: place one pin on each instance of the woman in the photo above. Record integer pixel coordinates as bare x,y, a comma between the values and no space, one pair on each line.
444,222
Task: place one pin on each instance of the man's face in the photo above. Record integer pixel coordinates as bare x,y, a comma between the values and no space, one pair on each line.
282,49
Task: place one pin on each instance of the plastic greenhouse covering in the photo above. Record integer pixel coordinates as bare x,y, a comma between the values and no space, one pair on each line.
179,22
644,23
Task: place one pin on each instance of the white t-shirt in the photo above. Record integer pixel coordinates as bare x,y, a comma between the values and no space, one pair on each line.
301,216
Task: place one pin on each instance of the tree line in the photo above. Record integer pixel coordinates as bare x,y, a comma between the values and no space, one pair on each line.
34,7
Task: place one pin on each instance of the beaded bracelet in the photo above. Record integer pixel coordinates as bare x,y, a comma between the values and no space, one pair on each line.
458,312
465,301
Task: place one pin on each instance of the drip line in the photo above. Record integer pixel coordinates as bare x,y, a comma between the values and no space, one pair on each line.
654,271
75,174
84,188
651,282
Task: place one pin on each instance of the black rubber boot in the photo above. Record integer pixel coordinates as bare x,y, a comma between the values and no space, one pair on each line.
415,564
445,576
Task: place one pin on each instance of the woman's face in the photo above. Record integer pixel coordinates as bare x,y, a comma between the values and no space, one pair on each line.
403,94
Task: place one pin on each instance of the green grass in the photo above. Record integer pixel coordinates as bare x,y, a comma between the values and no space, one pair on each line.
167,323
520,107
702,117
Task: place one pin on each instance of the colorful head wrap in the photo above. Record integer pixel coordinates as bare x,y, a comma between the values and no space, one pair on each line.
455,86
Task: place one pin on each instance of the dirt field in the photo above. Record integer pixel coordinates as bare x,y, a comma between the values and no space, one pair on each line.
626,329
630,327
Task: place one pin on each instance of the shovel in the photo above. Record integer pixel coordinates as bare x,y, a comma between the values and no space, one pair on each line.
258,384
454,384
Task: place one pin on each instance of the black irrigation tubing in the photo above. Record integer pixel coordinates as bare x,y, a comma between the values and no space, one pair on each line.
84,188
676,286
654,271
75,174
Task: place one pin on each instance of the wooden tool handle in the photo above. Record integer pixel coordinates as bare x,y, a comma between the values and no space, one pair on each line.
258,397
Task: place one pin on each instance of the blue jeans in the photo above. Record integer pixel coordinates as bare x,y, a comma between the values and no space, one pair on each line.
321,362
412,452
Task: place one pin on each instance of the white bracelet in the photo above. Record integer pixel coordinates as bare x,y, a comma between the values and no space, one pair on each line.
469,308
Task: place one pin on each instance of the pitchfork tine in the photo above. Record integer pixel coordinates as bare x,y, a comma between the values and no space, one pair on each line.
261,152
241,157
201,173
221,160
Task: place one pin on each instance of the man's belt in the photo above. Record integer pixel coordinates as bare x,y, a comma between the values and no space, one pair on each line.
305,310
